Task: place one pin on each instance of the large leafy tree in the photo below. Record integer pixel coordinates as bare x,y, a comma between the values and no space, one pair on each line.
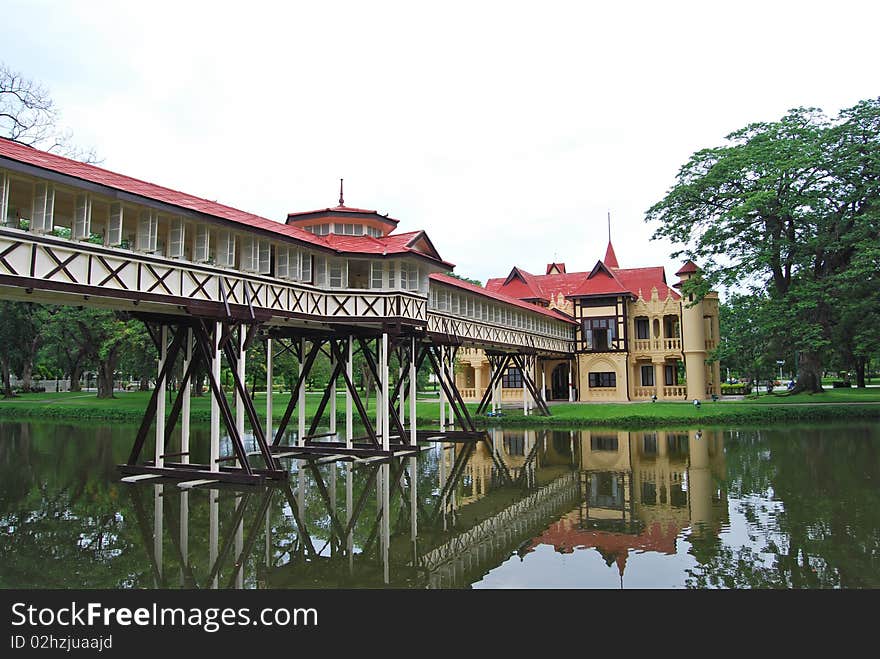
784,208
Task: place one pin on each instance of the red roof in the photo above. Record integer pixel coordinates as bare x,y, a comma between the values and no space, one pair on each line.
608,281
396,243
340,211
688,268
560,268
610,258
499,297
85,172
523,285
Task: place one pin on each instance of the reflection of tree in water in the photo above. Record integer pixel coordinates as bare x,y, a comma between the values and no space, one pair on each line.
61,514
825,530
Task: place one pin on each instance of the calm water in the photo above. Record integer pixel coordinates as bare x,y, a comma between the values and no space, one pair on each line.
790,507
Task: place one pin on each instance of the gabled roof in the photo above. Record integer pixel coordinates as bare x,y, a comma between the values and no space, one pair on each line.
555,269
499,297
644,279
523,285
601,281
415,243
687,269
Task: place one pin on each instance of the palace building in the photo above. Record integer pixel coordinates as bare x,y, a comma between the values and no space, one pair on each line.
636,337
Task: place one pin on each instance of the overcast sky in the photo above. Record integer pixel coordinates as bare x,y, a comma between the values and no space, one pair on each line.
506,130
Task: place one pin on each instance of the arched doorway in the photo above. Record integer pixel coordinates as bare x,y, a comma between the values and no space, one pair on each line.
559,382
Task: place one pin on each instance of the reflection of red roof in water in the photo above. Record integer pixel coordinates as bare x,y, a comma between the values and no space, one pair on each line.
566,536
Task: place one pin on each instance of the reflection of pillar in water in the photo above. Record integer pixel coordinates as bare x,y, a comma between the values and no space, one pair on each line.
349,502
213,532
239,548
332,494
413,504
159,512
413,391
386,516
269,534
699,481
184,535
442,476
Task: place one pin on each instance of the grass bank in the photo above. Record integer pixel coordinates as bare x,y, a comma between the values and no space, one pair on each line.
832,405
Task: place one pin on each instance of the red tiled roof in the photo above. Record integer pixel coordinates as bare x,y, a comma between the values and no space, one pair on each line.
396,243
688,268
601,281
631,280
341,211
644,279
559,266
479,290
523,285
92,174
610,257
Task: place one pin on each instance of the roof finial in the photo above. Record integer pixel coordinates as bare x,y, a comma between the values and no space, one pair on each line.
341,200
609,226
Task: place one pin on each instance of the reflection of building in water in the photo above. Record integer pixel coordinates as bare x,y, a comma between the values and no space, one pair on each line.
640,490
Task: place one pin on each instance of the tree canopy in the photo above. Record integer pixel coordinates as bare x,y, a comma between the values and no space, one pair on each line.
789,210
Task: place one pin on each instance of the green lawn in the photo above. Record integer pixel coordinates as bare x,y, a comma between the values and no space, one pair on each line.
783,407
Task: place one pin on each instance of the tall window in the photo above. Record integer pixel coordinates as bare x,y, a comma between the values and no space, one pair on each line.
648,375
603,379
643,328
202,251
671,373
176,236
599,333
512,379
148,231
114,225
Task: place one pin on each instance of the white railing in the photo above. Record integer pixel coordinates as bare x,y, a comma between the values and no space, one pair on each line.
39,262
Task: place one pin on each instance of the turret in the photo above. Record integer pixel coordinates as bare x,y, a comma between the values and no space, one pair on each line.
693,334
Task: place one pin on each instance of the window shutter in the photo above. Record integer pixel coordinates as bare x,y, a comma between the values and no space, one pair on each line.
282,262
82,217
43,209
264,257
176,236
114,225
248,247
306,267
4,202
320,271
376,274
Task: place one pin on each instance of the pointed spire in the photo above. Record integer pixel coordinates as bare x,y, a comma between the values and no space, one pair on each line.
610,257
341,200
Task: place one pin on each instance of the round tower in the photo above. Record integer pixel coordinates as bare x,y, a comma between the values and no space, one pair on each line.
693,335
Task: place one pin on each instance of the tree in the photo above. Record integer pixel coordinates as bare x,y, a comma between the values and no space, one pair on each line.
20,339
782,208
475,282
28,115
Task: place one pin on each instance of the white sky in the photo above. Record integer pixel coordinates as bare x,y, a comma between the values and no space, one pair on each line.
505,130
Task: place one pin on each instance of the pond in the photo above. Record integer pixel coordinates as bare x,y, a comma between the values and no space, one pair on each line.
713,508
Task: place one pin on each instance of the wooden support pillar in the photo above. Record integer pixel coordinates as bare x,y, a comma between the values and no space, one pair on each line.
185,404
301,398
349,425
401,394
413,391
332,397
570,385
269,378
442,392
215,404
525,391
544,382
383,374
239,365
160,401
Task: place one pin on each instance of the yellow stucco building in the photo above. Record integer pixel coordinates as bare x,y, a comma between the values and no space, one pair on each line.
637,337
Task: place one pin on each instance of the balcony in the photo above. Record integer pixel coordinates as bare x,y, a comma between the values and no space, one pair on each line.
672,344
676,391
